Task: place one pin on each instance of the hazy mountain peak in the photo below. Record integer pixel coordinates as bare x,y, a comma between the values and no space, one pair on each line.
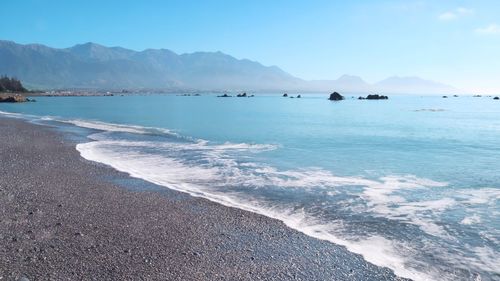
412,84
346,78
92,65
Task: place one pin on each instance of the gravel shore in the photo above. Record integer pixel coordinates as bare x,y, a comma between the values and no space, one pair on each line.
65,218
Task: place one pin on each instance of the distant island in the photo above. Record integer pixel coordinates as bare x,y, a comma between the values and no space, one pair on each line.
93,67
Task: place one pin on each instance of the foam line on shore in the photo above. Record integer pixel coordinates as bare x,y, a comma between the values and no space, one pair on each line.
173,174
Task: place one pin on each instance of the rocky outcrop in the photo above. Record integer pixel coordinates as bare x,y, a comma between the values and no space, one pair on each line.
13,98
496,98
285,95
224,96
244,95
377,97
336,96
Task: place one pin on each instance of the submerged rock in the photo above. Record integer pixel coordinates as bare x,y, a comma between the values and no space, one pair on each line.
445,97
298,96
496,98
285,95
224,96
336,96
242,95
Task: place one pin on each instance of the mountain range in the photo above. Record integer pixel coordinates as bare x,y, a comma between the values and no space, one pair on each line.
93,66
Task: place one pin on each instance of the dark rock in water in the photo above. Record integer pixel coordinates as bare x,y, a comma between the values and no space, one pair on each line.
251,96
224,96
291,97
377,97
476,96
242,95
455,96
445,97
298,96
496,98
361,98
336,96
285,95
13,98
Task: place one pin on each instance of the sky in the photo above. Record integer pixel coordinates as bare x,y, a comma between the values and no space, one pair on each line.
454,42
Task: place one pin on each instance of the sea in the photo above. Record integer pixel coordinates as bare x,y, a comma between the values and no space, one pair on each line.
411,183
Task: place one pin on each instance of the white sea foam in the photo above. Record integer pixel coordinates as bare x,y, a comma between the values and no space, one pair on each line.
180,175
110,127
471,219
488,196
215,165
489,260
12,114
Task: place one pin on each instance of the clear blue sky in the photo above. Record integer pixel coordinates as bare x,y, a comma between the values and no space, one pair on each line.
455,42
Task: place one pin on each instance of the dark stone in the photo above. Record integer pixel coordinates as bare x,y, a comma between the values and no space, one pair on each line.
455,96
496,98
361,98
336,96
13,98
224,96
298,96
445,97
242,95
285,95
377,97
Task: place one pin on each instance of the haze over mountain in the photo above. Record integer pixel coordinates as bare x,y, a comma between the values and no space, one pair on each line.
93,66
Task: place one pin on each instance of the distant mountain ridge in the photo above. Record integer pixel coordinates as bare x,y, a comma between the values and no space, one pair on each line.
398,84
93,66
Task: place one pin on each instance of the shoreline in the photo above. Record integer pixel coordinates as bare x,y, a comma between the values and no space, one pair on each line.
63,217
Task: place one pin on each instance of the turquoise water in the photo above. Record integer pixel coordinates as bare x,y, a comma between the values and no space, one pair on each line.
411,183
